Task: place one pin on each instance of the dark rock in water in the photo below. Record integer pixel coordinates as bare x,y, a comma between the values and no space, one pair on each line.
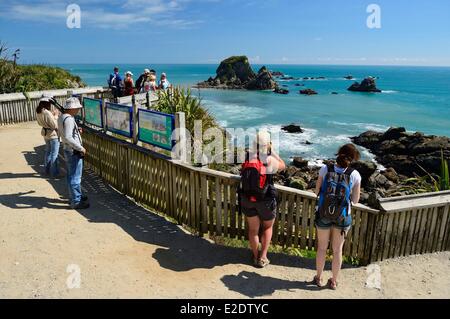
281,91
334,93
321,78
394,133
366,169
277,74
288,78
285,86
236,73
308,143
306,78
406,152
292,128
263,81
236,67
299,162
308,92
298,84
349,77
367,85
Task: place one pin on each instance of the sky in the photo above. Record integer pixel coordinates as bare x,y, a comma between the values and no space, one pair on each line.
411,32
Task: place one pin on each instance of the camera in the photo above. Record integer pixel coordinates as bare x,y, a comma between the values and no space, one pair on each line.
78,153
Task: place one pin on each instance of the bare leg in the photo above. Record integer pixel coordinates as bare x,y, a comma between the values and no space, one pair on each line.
266,237
253,234
323,237
337,240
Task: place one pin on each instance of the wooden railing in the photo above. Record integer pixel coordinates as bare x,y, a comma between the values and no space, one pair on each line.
17,107
205,201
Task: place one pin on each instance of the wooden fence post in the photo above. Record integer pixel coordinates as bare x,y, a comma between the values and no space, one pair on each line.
104,114
147,102
180,127
135,120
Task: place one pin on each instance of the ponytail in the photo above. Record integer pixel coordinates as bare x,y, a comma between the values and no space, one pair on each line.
347,154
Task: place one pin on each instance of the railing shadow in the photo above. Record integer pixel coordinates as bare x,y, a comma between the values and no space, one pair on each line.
180,251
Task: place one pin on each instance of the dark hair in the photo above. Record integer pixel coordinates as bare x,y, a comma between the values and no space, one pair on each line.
42,105
116,69
347,154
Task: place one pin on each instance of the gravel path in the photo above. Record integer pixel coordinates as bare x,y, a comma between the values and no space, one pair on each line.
123,251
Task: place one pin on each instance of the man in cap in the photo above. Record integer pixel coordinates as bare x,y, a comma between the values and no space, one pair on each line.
73,151
115,83
140,81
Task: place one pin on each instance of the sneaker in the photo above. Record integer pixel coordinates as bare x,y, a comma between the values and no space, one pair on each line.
81,205
84,198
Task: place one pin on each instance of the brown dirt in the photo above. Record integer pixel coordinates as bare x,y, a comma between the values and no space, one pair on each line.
125,251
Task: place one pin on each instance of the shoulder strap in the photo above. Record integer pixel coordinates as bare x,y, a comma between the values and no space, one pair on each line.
349,171
330,168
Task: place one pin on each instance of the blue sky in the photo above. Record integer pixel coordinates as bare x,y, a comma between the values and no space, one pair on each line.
205,31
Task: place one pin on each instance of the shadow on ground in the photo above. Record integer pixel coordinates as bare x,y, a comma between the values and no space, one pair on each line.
180,251
253,285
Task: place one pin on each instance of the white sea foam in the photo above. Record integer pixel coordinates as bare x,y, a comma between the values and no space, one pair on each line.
363,126
389,91
234,111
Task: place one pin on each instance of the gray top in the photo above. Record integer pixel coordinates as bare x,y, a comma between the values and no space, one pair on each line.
70,134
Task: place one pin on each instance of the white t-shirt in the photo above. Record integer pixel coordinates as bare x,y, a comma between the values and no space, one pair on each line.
355,177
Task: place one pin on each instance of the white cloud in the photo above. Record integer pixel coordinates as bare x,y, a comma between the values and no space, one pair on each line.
98,13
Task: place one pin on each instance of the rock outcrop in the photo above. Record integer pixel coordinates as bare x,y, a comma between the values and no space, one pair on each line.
292,128
263,81
405,152
308,92
367,85
237,73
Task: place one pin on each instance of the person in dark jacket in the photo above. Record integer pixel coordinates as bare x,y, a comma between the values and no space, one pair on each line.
140,81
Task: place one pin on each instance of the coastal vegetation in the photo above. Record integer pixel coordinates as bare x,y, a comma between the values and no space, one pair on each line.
182,100
26,78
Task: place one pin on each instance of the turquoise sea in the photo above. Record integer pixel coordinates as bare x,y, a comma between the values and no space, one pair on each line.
417,98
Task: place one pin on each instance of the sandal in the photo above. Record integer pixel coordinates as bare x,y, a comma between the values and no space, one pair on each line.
262,263
317,282
331,285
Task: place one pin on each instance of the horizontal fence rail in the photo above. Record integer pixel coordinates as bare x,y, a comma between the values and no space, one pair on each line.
17,107
205,201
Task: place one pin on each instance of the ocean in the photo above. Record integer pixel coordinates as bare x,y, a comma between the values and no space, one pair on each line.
417,98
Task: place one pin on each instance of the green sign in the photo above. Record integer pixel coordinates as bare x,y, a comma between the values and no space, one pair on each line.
93,112
156,128
119,119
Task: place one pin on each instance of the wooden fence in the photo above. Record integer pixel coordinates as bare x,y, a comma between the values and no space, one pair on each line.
17,107
205,201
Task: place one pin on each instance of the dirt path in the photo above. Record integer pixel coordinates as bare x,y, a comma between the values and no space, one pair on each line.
124,251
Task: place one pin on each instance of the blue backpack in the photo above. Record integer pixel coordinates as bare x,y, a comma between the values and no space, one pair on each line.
335,201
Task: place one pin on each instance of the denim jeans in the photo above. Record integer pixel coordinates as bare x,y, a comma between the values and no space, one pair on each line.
74,166
51,157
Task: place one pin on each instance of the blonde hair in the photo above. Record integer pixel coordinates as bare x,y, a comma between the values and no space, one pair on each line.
262,139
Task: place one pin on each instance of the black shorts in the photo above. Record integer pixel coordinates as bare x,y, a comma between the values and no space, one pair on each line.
265,209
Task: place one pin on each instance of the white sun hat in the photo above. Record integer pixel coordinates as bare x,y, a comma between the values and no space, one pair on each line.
129,72
146,71
72,103
46,97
